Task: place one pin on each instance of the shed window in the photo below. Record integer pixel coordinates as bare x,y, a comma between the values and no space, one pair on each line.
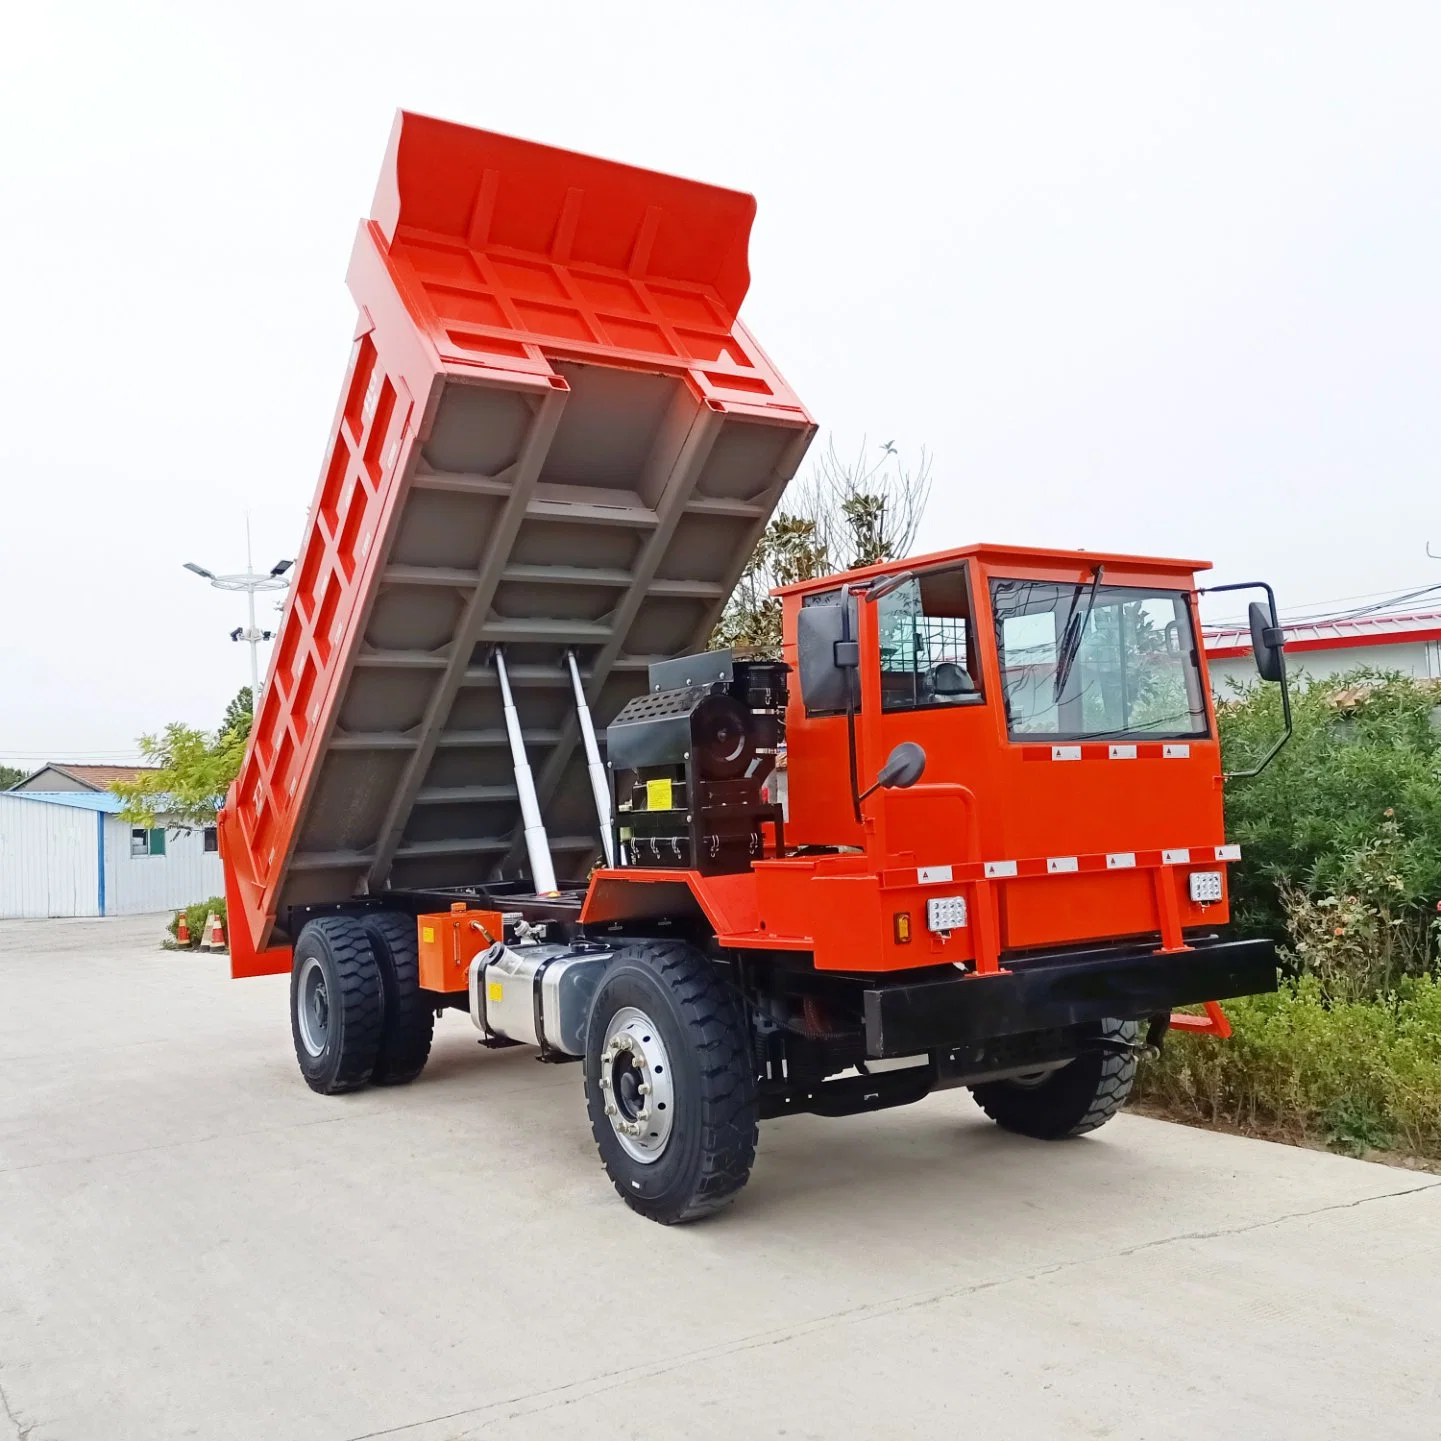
147,842
212,840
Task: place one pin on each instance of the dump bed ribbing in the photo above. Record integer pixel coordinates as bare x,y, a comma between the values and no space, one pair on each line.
553,436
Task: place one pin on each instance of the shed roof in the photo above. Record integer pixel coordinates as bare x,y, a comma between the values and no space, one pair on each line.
79,800
1339,634
96,778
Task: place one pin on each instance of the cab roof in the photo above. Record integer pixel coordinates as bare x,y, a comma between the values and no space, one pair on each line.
1032,557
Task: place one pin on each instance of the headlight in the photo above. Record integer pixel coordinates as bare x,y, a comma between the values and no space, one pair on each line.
1205,887
945,913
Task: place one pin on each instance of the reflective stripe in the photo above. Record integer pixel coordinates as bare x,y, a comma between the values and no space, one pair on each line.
1000,868
1175,753
1121,860
1123,753
930,875
1228,853
1065,753
1062,863
1175,858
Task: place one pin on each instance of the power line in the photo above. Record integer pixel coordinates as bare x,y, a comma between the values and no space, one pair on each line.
72,755
1314,613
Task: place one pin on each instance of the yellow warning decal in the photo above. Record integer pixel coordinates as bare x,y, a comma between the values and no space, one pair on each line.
427,933
658,796
495,991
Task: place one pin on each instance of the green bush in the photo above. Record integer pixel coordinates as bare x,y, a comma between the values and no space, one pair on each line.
1301,1067
195,917
1350,808
1341,863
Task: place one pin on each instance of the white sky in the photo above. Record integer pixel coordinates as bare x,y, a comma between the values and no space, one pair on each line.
1156,277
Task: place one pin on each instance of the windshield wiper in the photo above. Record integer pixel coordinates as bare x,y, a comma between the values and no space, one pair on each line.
1070,646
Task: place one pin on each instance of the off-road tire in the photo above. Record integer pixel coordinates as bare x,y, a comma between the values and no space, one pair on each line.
409,1023
355,1004
1082,1095
712,1143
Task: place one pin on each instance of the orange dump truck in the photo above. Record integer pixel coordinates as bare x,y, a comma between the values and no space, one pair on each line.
495,771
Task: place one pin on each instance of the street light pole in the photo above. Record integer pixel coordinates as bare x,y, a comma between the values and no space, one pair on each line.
253,636
250,581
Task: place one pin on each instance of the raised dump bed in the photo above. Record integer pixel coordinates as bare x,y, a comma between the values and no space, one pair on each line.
554,436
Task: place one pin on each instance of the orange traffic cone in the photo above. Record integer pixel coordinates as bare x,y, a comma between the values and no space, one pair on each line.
207,932
182,931
217,933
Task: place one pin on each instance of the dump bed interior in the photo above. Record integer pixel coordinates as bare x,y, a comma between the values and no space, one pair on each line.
553,435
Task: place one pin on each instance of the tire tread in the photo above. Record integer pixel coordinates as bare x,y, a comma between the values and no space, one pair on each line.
409,1022
1069,1113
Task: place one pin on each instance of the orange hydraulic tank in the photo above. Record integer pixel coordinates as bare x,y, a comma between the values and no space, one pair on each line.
450,941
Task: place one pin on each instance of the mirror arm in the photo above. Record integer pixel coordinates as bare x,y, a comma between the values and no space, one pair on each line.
872,591
878,589
1286,733
848,640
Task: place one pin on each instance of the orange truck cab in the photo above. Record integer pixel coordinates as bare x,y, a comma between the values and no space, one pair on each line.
494,770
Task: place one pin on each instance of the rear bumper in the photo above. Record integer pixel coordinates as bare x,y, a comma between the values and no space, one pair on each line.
1062,990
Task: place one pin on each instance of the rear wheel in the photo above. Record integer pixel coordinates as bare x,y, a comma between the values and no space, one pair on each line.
409,1023
336,1005
669,1083
1079,1097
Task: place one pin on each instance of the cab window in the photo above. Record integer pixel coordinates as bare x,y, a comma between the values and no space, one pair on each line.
928,655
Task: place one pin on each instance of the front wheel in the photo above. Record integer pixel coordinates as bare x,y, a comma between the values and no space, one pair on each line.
1078,1097
669,1083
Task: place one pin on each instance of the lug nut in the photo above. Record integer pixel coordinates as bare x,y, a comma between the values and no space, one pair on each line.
644,1088
605,1083
610,1109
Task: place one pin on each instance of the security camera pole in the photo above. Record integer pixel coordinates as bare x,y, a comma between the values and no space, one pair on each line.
250,581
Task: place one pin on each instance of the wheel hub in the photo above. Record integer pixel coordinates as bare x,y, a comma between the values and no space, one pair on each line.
635,1082
312,1007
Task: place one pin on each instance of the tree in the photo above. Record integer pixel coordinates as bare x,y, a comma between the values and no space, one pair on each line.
194,769
844,514
9,776
239,713
869,509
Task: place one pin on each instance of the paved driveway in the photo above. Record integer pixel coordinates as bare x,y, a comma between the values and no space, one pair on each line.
194,1245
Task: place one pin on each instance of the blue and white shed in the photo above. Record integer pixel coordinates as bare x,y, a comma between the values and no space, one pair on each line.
67,853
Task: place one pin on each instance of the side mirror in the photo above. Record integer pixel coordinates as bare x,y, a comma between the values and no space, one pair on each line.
1268,642
904,767
828,656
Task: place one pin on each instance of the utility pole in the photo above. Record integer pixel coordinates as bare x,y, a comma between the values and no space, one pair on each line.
250,581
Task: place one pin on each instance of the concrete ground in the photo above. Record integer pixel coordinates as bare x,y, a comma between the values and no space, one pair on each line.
194,1245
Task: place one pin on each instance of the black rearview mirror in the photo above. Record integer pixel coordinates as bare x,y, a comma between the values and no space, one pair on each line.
1268,643
903,768
829,656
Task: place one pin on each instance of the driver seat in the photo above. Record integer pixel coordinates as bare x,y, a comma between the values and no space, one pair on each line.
949,680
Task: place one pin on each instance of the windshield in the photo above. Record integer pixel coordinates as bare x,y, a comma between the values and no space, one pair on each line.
1134,672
